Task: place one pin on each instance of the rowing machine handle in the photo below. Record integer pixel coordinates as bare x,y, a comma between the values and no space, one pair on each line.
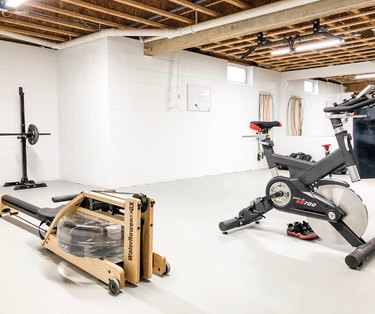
229,224
64,198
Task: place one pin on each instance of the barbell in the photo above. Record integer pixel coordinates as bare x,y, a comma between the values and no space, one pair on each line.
32,134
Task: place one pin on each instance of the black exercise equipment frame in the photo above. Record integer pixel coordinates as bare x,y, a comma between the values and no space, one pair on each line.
32,136
306,176
318,31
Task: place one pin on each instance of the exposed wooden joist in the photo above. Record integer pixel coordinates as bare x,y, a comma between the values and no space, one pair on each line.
246,43
293,58
83,17
29,33
238,4
57,21
196,7
322,8
38,27
357,87
263,53
155,10
122,15
238,49
311,65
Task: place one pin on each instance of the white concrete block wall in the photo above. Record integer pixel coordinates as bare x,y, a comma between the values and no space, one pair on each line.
154,138
120,118
34,69
317,129
83,110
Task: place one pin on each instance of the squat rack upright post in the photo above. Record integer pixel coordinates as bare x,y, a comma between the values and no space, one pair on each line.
25,183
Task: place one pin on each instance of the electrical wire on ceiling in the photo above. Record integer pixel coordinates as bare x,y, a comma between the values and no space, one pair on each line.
295,116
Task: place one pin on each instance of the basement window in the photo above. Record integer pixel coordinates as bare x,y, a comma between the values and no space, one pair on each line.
311,87
236,74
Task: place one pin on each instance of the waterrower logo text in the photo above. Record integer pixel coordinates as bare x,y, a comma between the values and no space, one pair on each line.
131,231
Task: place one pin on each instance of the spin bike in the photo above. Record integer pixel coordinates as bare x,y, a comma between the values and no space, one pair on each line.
335,212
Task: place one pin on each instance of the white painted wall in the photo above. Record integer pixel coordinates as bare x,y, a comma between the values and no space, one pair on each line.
34,69
83,113
317,129
122,116
152,135
312,143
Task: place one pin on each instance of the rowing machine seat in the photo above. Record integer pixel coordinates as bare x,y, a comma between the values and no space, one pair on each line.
47,213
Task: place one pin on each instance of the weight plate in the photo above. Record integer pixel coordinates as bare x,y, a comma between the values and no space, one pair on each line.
348,201
32,134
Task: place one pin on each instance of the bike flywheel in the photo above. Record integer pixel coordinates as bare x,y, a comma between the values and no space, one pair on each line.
349,202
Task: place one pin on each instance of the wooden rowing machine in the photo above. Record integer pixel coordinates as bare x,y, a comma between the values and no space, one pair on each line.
131,213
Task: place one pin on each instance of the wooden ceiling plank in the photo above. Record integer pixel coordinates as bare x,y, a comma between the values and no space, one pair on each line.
322,8
38,27
238,4
291,57
57,21
309,66
356,87
32,34
196,7
324,22
343,56
122,15
288,59
155,10
356,11
254,38
266,49
84,17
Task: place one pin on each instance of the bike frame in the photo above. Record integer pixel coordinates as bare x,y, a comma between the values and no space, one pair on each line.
296,194
310,172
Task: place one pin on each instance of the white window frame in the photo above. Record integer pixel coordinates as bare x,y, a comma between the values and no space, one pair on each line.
241,80
315,87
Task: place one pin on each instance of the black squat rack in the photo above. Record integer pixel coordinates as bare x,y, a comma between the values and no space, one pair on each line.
32,136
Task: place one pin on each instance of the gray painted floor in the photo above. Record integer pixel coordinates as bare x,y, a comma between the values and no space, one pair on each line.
258,269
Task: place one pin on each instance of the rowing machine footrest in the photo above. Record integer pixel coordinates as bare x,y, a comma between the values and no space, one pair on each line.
360,254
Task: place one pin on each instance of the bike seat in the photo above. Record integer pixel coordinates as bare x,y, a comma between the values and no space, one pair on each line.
263,125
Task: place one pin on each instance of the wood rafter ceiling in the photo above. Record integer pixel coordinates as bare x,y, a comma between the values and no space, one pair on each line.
351,83
60,21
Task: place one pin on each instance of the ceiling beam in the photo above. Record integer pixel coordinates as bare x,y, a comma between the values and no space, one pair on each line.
62,22
32,34
196,7
45,7
108,11
245,43
157,11
357,87
238,4
308,12
38,27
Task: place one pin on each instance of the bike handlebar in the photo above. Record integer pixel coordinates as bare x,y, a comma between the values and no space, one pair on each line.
360,101
351,105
